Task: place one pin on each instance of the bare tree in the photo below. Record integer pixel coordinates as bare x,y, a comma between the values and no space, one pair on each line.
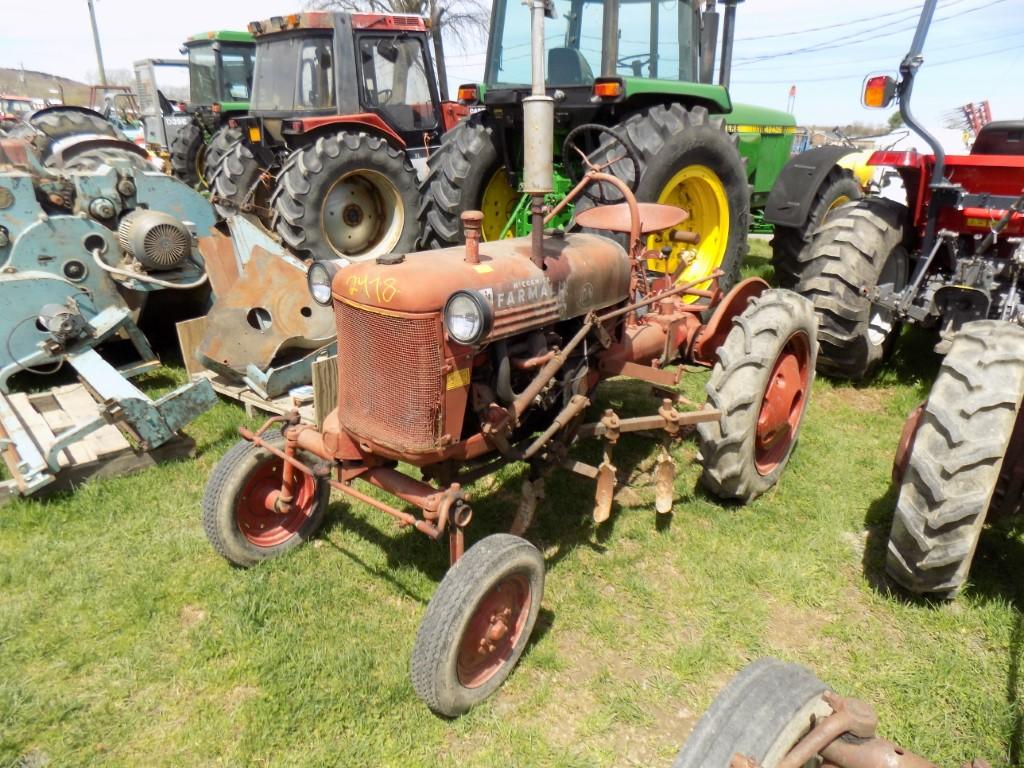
457,18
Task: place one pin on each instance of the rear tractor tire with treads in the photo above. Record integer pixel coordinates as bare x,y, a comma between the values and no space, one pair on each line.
791,245
858,248
237,183
958,458
60,124
219,145
762,385
349,194
186,151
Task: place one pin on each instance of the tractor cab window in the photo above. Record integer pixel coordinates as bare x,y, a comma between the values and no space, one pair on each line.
654,41
293,73
236,72
394,81
202,74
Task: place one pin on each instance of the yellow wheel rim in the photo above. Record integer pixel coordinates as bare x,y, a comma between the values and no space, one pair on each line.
697,190
497,204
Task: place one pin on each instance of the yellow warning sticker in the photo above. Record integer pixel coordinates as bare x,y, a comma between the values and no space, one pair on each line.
458,378
483,269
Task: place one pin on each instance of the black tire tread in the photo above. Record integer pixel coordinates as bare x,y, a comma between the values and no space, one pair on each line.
736,387
956,458
233,179
185,145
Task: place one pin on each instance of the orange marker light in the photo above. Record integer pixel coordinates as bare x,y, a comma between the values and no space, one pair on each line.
610,89
879,91
467,94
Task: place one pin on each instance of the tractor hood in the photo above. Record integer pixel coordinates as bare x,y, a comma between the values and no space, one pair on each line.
582,272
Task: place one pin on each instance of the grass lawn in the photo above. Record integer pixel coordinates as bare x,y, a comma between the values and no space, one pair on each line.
125,640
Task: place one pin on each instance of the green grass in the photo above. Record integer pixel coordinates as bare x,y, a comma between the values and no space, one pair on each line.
124,640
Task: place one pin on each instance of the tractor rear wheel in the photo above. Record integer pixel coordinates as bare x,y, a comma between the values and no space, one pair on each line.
465,173
689,160
239,516
219,145
350,194
790,245
61,123
477,624
762,713
187,150
961,460
762,385
238,183
859,247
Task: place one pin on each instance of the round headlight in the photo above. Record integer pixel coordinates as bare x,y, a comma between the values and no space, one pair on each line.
319,277
467,317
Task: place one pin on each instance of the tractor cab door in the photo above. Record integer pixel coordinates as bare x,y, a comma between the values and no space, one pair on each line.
396,82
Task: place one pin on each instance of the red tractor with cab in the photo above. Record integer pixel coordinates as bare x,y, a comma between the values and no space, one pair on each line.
344,111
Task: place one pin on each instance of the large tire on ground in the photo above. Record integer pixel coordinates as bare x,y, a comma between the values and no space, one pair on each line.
859,247
762,385
790,245
220,144
959,458
349,194
187,152
239,185
477,624
762,713
56,124
689,160
464,173
238,515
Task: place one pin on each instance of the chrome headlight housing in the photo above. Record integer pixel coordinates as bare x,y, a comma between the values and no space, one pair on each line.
319,277
467,317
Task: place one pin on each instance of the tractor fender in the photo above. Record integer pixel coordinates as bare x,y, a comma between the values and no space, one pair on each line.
67,108
712,335
789,202
311,127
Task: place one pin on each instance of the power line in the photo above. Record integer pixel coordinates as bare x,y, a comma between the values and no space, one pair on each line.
860,76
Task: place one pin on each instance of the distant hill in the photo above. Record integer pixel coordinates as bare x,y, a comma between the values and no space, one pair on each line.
37,85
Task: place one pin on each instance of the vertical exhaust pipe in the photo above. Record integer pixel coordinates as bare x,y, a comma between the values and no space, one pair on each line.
728,36
538,132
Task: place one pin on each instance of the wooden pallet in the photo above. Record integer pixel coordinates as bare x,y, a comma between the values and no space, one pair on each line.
104,453
313,408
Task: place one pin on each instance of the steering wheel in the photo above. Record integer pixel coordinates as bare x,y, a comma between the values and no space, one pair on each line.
636,62
576,162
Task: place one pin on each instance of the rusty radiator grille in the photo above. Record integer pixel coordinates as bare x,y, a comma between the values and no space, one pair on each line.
390,378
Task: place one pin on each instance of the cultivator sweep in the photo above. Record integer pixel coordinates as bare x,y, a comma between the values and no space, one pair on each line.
460,360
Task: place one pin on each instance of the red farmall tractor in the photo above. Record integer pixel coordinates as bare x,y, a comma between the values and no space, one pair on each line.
779,715
951,259
461,360
344,109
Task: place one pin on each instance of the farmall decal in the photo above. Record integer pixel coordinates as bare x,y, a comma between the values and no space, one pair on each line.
518,293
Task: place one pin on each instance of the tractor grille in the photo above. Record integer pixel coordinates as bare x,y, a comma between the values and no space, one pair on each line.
390,378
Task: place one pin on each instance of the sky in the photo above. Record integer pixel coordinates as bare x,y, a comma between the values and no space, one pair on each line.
974,51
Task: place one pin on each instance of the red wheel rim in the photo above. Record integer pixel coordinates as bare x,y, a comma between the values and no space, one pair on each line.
783,404
255,514
494,630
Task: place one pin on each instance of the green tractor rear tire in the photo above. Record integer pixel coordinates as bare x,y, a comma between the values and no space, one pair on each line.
187,150
219,145
237,183
349,194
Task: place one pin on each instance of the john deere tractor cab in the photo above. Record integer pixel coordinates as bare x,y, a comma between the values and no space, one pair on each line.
645,70
344,107
220,67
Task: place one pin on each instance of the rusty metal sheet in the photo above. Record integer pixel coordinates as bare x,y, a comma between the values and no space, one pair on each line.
654,217
218,254
267,310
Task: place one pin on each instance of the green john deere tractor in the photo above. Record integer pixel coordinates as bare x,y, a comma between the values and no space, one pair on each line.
220,68
644,69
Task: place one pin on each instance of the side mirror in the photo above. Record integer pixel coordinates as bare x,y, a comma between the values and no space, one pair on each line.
879,91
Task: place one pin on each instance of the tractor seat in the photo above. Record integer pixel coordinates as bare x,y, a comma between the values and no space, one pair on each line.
567,66
1004,137
654,217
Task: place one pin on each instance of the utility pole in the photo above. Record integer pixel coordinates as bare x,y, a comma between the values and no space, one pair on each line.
96,40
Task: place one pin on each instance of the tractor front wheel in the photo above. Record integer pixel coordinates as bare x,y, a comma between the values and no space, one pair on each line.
962,460
761,384
790,245
477,624
186,151
240,518
761,714
350,194
858,248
